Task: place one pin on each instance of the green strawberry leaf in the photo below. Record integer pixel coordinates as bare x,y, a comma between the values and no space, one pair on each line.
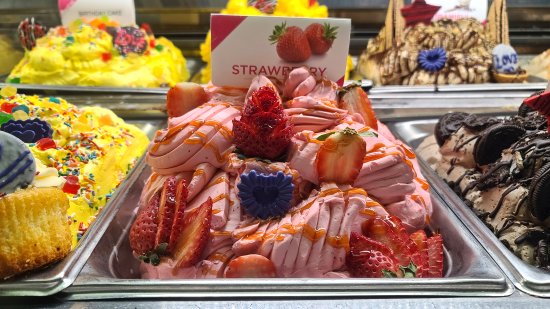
388,274
409,271
368,134
155,259
323,137
161,249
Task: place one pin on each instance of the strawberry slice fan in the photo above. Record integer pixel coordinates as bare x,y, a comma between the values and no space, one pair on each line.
541,103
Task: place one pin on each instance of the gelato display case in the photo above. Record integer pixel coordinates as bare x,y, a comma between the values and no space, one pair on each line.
185,113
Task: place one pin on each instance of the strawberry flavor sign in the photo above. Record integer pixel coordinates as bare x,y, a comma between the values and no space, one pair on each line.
246,46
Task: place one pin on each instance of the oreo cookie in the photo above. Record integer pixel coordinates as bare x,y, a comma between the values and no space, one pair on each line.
479,123
494,140
447,125
524,110
539,193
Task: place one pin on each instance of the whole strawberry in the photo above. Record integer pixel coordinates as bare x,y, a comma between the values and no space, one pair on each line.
292,43
263,129
320,37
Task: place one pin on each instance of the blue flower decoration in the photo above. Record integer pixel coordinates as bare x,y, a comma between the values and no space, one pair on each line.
265,196
432,60
29,131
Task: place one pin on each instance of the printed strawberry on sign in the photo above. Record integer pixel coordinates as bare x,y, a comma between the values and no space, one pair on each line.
246,46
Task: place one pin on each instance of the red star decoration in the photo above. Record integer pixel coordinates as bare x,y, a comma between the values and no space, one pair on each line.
419,12
541,103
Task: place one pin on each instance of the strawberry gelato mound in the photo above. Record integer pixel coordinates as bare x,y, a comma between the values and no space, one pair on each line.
296,180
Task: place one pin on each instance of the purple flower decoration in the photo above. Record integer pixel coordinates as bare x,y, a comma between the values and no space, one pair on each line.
265,196
432,60
29,131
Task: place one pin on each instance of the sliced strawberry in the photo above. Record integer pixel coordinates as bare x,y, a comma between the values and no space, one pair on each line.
184,97
420,257
371,259
251,266
359,243
194,236
167,209
391,232
340,157
435,256
354,99
179,213
144,230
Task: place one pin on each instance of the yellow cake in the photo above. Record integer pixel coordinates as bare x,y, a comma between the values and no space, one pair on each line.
88,54
34,229
93,151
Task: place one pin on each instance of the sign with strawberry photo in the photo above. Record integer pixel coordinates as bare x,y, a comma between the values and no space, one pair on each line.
246,46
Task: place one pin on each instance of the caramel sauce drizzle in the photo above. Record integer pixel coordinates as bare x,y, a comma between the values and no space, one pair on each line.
364,129
219,198
329,192
220,233
368,212
198,172
172,132
312,233
338,241
423,183
217,181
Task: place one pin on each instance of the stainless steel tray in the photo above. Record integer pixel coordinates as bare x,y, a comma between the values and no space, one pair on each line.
534,84
525,277
54,278
112,271
49,89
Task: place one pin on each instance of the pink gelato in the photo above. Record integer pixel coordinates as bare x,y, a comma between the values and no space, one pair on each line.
312,238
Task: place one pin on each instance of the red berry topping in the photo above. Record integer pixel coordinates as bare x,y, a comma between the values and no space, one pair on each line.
106,57
386,249
152,43
45,143
147,28
263,130
7,107
71,185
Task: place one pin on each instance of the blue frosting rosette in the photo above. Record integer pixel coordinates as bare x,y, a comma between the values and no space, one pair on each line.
265,196
432,60
29,131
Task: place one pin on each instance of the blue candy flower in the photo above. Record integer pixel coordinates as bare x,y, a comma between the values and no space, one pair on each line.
265,196
29,131
432,60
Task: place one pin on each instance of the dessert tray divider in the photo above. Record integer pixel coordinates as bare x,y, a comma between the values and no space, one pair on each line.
526,278
112,272
55,278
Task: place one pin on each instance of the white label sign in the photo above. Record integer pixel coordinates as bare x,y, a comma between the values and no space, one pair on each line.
123,11
457,9
246,46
